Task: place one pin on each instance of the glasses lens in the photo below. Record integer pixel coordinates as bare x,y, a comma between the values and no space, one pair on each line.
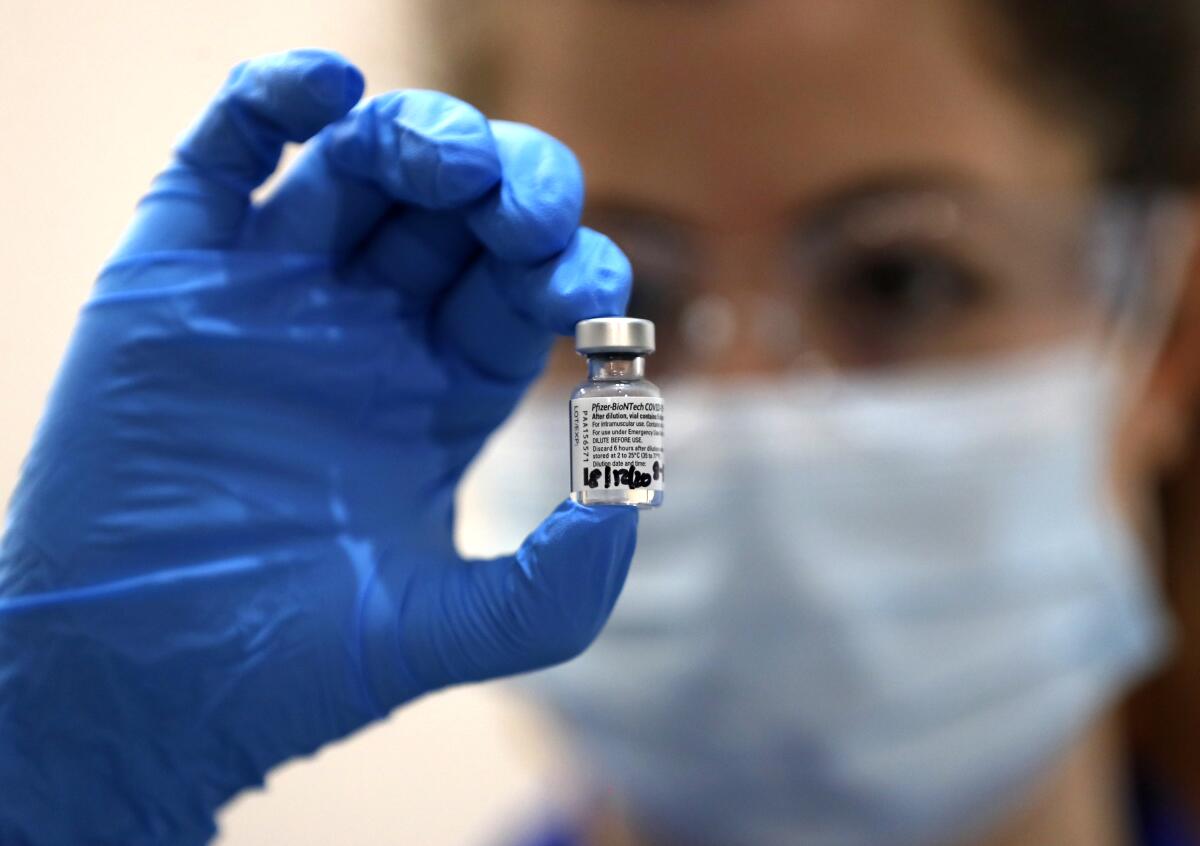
912,279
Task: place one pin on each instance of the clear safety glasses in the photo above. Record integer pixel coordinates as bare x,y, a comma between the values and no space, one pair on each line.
903,279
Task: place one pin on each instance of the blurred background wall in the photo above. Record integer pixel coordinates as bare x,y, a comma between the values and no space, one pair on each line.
92,96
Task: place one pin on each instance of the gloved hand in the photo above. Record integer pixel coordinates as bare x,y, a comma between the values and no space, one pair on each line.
231,541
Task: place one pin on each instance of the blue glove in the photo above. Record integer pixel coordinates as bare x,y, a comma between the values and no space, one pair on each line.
231,541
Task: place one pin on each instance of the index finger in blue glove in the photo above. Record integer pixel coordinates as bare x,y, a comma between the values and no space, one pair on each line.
200,200
537,208
531,216
528,218
521,612
412,148
502,318
433,155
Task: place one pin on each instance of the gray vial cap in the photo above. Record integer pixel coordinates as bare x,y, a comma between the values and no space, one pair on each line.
614,335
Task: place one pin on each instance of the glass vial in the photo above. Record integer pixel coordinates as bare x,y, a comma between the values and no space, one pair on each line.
616,417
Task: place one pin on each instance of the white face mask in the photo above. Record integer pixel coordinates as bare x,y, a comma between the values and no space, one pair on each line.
872,615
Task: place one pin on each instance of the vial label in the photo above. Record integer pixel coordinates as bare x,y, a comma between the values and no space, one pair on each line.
617,443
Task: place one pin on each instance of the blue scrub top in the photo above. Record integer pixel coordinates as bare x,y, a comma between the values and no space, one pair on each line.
1158,819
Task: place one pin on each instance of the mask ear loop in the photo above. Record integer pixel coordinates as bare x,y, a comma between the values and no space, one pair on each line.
1145,244
1143,240
1154,242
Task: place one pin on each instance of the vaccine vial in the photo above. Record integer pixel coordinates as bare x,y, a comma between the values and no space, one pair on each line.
616,417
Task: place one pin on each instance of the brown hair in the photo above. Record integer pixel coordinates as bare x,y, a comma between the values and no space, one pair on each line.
1125,71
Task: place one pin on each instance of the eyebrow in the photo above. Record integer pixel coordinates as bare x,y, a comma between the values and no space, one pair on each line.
830,206
835,204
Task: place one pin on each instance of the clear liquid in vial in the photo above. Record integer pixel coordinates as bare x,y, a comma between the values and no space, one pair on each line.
616,439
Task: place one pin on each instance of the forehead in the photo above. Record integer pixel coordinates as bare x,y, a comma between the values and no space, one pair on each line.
743,106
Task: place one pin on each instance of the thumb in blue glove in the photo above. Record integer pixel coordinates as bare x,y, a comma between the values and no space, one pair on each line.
232,539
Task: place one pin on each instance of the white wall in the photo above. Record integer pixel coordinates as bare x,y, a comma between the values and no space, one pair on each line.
92,95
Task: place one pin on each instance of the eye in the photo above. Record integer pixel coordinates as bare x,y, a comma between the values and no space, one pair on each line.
652,297
899,287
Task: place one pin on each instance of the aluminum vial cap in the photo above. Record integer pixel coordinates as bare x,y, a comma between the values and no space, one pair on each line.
614,335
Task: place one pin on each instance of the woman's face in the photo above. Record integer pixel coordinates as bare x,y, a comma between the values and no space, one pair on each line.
722,139
858,175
